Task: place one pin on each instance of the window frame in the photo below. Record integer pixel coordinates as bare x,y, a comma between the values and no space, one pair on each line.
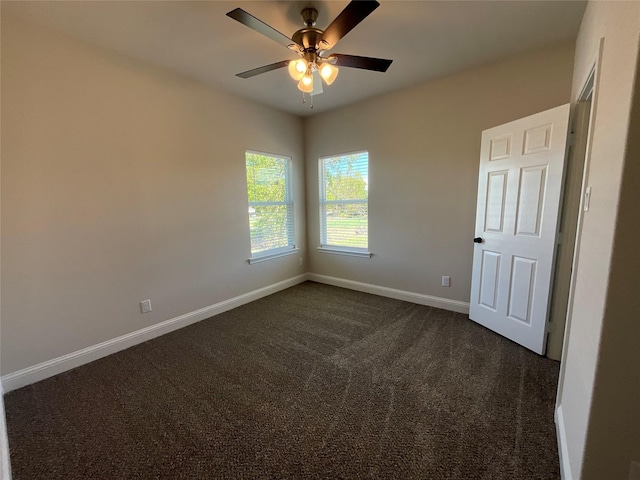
291,248
325,247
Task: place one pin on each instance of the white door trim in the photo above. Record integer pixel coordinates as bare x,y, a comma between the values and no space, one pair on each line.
595,74
5,460
590,86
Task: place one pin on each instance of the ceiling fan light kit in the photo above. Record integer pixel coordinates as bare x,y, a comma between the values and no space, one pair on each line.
305,85
297,69
328,73
311,44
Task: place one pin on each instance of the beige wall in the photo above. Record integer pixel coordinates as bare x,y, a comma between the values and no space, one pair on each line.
601,357
121,182
613,438
424,148
5,463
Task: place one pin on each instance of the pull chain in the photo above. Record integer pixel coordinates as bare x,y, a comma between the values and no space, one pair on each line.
304,100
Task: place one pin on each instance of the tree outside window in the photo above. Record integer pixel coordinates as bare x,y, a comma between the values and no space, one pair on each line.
270,203
344,216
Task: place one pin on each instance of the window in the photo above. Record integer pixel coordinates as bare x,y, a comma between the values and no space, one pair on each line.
270,205
344,211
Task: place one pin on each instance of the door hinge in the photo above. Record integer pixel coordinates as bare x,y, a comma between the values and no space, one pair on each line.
572,139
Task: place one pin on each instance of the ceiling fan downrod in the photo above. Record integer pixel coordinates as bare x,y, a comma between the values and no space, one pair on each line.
309,16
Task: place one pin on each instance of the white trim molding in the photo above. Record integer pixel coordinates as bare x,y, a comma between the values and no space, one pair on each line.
271,256
61,364
419,298
66,362
345,251
563,452
5,461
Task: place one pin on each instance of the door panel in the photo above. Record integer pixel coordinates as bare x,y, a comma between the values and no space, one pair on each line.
530,200
523,277
519,186
496,192
537,139
489,279
500,147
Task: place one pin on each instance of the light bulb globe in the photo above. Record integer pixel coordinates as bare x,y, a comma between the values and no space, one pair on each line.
294,69
329,73
306,84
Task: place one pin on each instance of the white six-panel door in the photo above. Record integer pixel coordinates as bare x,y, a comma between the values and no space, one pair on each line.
519,187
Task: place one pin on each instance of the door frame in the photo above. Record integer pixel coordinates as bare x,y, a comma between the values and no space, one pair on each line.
570,218
590,88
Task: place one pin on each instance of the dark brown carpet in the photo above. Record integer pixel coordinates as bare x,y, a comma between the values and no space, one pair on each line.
312,382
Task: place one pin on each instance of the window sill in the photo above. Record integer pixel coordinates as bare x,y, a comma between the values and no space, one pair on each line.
271,256
345,251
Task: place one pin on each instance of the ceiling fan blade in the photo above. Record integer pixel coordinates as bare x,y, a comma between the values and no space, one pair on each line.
366,63
260,27
265,69
348,19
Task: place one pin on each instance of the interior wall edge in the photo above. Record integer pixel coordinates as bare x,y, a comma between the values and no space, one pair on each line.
419,298
563,452
5,463
586,348
49,368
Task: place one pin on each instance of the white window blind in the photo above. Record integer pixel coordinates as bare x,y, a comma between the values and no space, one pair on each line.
344,211
270,203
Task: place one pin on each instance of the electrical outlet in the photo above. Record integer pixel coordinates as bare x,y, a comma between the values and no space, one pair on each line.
145,306
446,281
300,261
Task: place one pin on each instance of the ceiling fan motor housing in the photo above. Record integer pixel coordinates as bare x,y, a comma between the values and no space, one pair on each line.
307,37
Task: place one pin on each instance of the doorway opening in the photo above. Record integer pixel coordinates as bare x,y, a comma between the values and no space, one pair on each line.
574,201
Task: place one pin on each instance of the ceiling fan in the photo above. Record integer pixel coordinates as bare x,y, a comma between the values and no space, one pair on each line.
312,45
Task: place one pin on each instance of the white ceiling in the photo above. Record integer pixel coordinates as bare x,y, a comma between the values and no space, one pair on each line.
425,39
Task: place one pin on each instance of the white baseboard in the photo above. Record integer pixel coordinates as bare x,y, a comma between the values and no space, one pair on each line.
563,452
61,364
419,298
5,462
